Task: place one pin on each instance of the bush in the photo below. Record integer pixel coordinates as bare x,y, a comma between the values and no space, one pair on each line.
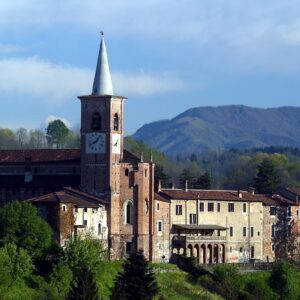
283,281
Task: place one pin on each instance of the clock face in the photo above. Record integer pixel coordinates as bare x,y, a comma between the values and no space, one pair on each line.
95,142
116,143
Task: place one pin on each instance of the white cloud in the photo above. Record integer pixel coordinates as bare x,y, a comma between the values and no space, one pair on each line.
245,33
53,118
46,81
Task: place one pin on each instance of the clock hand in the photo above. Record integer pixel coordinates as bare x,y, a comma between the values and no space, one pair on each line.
116,143
95,141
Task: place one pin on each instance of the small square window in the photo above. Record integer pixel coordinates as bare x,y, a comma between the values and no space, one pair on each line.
273,211
85,209
210,206
230,207
178,210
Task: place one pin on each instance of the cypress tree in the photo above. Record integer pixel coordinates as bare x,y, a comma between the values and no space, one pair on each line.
84,286
137,281
267,178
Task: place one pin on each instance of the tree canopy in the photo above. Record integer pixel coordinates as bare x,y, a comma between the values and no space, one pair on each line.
57,133
21,225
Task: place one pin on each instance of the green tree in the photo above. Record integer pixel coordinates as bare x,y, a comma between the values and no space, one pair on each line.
204,182
15,264
267,178
57,133
283,281
84,286
159,174
60,281
21,225
259,288
137,281
84,252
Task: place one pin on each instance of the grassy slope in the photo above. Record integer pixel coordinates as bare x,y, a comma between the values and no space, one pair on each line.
173,283
177,286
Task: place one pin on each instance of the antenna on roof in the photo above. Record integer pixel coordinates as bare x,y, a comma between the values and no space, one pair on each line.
102,33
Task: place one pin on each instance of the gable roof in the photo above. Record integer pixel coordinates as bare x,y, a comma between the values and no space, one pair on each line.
40,155
226,195
70,195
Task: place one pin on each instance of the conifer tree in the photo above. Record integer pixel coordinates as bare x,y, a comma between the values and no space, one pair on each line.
137,281
84,286
203,182
267,178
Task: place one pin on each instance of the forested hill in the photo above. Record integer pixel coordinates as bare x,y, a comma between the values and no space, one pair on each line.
224,127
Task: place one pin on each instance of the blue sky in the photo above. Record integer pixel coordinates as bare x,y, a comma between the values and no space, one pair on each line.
166,56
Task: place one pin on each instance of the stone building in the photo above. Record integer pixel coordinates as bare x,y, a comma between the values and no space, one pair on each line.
71,213
104,190
101,168
215,226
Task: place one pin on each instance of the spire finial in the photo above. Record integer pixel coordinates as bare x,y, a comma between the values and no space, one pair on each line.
102,82
142,156
151,157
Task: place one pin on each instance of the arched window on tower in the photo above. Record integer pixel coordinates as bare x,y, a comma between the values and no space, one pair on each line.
128,213
116,122
96,121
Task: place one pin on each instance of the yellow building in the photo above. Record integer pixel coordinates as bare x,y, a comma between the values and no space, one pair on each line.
216,226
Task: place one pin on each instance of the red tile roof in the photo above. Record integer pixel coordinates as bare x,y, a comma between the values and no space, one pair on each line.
225,195
39,155
295,191
69,195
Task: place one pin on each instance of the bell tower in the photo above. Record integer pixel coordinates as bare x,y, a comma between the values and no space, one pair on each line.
102,134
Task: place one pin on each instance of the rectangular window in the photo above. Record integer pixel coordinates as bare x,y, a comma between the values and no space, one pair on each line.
230,207
244,231
273,230
244,207
219,232
210,206
178,210
157,206
99,229
289,211
159,226
201,206
76,209
219,207
85,222
231,231
193,219
85,209
252,252
252,231
273,211
289,230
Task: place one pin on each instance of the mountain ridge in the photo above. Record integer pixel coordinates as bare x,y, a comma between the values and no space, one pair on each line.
207,128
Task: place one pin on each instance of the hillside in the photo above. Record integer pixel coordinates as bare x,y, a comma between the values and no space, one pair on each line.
224,127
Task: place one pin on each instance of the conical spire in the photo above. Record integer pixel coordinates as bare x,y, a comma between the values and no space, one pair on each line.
102,82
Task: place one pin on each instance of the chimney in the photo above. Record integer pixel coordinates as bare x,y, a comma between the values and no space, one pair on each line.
172,186
186,185
240,194
252,190
159,185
